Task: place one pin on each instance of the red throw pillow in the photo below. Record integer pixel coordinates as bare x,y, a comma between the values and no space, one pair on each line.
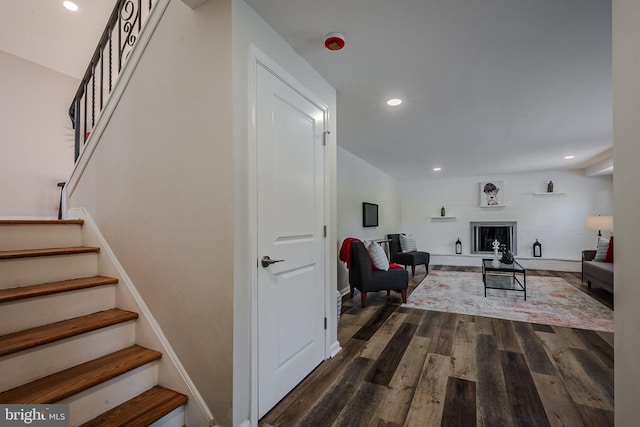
609,256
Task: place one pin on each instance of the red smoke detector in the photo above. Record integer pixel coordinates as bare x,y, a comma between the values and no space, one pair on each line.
334,41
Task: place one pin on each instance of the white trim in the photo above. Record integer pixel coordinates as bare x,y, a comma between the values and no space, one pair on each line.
194,3
335,348
204,414
123,80
258,57
245,423
253,230
47,218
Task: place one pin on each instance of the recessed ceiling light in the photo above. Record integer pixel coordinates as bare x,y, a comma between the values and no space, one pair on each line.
569,157
394,102
437,169
70,5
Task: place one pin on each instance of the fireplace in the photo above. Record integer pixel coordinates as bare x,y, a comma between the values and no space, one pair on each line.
484,233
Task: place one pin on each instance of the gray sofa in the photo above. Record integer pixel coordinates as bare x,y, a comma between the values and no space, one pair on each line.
596,273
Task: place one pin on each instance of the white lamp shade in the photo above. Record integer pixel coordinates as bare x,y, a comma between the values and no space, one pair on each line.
600,223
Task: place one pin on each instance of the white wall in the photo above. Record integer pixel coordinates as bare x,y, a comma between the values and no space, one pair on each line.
358,182
250,28
626,138
160,189
36,139
557,221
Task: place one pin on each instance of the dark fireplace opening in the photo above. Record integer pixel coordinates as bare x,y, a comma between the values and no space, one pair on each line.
483,234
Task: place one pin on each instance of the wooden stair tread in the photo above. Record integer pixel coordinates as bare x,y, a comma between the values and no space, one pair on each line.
63,384
142,410
33,337
27,253
40,221
23,292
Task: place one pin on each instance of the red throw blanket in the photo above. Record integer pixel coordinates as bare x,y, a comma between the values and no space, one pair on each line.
345,250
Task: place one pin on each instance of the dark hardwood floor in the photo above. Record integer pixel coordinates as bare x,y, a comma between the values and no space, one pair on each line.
408,367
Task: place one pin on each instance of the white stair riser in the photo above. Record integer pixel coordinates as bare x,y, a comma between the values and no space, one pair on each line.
32,312
90,403
29,365
174,418
39,236
36,270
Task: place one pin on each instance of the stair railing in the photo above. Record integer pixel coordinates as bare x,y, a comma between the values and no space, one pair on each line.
125,24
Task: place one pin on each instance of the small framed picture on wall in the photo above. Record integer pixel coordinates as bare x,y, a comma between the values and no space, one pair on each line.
491,194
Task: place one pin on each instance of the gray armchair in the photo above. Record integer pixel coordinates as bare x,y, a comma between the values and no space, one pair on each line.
364,278
406,258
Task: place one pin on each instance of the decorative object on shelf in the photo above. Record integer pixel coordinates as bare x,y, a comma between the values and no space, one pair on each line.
549,194
537,249
496,247
600,223
507,256
442,211
458,247
550,187
491,194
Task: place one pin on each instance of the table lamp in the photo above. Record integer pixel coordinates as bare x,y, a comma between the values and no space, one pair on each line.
600,223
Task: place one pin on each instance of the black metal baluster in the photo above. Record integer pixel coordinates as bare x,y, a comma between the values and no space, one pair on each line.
93,97
120,37
61,185
76,128
139,16
101,79
110,61
86,108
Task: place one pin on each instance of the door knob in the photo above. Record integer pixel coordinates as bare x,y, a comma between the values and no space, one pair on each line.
266,261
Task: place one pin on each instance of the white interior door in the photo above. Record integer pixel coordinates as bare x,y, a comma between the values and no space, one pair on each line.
290,174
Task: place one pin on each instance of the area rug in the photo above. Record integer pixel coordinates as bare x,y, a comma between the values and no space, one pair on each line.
550,301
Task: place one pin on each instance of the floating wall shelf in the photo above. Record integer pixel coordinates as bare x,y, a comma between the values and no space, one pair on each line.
443,217
549,194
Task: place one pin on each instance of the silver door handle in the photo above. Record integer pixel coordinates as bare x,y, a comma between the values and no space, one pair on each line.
266,261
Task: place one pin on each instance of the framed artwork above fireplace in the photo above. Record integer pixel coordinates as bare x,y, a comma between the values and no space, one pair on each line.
491,194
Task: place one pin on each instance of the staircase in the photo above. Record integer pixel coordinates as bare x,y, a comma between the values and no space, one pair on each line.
62,338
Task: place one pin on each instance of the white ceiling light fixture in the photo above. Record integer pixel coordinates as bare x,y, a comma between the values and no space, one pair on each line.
394,102
437,169
69,5
569,157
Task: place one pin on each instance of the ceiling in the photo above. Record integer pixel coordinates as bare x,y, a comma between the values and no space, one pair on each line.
44,32
488,86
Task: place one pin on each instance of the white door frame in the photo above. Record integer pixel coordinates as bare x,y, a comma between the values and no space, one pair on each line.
258,57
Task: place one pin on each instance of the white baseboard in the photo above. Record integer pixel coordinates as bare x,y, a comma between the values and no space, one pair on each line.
526,262
335,348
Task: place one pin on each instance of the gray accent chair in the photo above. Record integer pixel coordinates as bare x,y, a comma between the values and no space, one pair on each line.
364,278
406,258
